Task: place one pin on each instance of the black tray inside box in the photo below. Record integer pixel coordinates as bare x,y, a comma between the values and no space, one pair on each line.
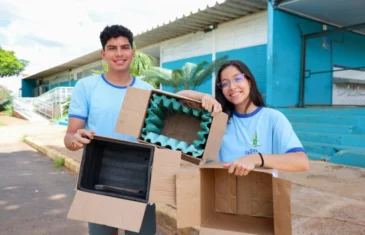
116,168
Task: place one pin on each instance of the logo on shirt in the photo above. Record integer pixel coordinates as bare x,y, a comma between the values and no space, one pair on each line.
255,141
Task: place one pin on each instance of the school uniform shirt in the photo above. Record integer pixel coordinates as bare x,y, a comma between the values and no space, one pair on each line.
265,130
98,102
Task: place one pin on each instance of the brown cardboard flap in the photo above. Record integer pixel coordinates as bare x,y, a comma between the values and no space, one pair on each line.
220,165
188,198
255,194
225,191
110,211
166,164
221,223
282,206
132,114
215,137
174,95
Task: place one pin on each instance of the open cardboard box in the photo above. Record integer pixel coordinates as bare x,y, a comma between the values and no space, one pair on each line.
118,178
132,116
222,203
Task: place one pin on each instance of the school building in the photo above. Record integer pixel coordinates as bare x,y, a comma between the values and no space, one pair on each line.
302,53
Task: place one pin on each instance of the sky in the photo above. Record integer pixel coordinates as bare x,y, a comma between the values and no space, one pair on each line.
48,33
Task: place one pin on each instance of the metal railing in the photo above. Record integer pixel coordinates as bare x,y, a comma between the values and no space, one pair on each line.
44,104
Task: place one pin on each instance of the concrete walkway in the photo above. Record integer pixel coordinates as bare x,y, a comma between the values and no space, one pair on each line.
328,199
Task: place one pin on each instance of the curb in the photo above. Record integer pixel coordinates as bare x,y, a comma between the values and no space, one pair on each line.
165,214
70,163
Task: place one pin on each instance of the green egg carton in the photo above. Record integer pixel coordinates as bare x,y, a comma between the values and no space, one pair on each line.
159,107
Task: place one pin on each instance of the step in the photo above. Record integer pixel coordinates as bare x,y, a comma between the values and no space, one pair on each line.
357,122
328,149
323,128
352,157
317,157
348,158
353,140
324,111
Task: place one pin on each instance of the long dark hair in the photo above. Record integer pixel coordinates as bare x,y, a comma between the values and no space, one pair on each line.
254,96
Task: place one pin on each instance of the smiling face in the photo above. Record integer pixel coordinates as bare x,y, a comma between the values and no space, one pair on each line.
235,86
118,54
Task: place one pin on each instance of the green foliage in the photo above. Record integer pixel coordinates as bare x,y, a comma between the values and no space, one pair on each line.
189,77
10,65
6,99
66,106
59,162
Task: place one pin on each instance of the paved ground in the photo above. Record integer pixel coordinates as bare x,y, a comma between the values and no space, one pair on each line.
34,196
328,199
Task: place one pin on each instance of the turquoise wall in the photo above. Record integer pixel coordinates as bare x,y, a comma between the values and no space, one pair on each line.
255,58
28,86
284,53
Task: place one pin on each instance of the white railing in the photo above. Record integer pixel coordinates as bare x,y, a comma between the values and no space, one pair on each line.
22,107
44,104
56,95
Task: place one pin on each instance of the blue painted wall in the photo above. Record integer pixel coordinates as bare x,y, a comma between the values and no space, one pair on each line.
255,58
283,64
28,86
206,87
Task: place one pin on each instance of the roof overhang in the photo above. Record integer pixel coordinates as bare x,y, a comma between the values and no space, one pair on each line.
200,20
339,13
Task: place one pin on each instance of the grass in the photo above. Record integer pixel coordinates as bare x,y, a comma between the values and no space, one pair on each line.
59,162
2,124
6,113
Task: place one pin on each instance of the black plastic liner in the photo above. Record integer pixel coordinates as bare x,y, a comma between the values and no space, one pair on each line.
116,168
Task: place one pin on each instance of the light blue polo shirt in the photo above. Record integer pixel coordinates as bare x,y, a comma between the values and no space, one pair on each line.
98,102
265,130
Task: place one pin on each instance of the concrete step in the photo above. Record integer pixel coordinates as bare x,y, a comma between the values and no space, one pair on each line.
352,157
353,140
324,111
357,122
328,149
317,156
322,128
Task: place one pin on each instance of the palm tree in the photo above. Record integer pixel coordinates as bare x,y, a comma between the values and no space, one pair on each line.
189,77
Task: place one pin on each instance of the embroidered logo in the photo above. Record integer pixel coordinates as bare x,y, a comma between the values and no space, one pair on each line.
255,141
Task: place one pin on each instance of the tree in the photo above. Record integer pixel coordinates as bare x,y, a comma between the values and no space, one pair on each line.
10,65
189,77
5,98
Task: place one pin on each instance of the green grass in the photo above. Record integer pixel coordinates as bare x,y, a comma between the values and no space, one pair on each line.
59,162
2,124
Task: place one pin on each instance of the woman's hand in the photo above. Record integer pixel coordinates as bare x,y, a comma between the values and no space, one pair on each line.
243,165
211,105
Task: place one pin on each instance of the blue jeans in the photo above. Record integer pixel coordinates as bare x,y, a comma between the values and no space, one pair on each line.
148,226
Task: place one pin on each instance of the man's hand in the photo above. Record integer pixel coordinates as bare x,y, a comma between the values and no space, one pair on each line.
211,105
80,138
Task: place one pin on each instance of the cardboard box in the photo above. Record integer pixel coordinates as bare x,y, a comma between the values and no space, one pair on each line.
178,126
222,203
111,164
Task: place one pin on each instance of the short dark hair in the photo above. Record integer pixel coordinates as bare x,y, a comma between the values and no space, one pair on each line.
115,31
254,96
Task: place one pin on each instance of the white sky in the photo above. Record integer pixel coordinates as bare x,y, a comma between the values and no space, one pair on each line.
48,33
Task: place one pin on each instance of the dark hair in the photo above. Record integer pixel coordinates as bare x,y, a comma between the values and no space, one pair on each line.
254,96
115,31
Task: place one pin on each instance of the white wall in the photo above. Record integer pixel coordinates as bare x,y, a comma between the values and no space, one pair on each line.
349,94
244,32
64,76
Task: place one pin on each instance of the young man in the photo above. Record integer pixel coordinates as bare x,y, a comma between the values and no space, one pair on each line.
96,102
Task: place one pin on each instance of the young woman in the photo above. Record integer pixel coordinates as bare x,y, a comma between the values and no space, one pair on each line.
256,136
